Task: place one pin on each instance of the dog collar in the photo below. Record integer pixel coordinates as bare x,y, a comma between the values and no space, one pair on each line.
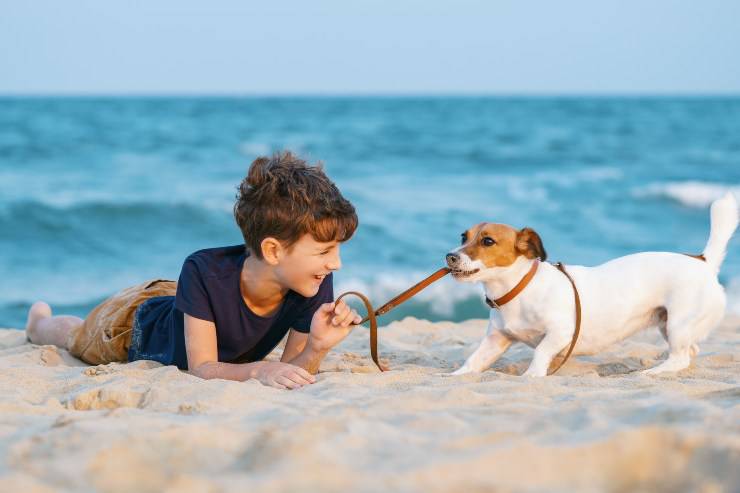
517,289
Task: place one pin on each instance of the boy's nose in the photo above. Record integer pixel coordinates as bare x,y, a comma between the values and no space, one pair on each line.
335,263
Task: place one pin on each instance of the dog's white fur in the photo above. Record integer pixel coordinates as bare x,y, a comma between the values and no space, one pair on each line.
678,294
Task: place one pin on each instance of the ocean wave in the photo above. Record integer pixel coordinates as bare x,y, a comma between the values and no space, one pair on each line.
66,199
697,194
19,218
541,186
579,177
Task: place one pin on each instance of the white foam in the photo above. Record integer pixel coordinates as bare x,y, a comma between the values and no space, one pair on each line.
697,194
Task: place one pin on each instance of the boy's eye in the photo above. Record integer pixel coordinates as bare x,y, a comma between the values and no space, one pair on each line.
488,241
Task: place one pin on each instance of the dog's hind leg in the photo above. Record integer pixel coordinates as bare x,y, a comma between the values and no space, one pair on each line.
676,361
687,325
662,324
660,320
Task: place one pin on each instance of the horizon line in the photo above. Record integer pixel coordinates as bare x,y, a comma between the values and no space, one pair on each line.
369,94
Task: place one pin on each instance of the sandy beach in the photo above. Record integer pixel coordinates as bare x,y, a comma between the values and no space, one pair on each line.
596,426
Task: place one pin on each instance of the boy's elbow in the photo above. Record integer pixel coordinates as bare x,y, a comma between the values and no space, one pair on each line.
205,370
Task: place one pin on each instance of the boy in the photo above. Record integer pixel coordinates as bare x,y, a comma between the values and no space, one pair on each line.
232,305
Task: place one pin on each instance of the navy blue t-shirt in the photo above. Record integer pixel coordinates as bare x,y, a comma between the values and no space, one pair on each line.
208,289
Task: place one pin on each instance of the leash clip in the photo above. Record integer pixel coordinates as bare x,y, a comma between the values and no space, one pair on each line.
492,304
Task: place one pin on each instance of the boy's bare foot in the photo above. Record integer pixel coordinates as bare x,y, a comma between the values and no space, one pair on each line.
43,329
38,311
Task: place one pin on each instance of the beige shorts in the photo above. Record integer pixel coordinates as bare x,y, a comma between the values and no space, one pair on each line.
105,336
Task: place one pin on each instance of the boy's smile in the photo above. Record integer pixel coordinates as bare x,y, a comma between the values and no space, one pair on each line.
300,268
320,277
310,260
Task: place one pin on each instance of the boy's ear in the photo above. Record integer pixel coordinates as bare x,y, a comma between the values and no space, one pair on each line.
271,250
529,244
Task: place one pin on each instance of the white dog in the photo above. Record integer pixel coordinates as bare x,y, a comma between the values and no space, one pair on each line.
678,293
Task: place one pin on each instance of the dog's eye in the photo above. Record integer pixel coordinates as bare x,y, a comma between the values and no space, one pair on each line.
463,238
488,241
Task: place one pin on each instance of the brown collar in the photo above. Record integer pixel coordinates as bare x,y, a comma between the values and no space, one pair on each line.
516,289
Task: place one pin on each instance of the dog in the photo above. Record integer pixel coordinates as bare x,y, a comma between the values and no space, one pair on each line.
678,293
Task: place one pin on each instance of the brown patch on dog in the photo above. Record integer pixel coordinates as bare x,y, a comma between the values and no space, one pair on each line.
508,244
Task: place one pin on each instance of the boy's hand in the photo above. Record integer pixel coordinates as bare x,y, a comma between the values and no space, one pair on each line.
331,323
281,375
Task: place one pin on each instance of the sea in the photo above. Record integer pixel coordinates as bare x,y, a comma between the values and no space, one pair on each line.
101,193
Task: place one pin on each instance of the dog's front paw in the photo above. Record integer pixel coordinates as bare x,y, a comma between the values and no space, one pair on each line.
534,373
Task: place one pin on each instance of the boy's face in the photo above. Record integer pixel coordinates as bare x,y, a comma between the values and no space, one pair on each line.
304,266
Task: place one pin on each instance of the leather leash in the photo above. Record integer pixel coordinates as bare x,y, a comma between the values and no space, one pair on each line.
573,341
373,314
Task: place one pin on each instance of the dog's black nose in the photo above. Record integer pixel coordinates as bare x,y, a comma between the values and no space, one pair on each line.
452,259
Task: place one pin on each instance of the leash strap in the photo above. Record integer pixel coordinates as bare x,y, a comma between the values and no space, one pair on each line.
573,341
401,298
373,314
373,327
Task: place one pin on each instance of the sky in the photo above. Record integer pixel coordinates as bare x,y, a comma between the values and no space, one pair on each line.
370,47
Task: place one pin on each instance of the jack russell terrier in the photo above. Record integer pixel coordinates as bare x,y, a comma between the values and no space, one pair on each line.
680,294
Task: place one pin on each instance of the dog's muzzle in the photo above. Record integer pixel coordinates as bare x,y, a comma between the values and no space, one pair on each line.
454,263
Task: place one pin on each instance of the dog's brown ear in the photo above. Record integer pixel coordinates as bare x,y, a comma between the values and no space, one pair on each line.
529,244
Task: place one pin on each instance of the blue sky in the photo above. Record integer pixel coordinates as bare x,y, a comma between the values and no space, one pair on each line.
363,47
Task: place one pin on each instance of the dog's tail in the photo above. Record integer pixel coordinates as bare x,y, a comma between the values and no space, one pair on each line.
724,219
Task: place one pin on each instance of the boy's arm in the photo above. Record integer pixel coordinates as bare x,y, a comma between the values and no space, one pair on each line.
295,344
330,324
309,359
202,351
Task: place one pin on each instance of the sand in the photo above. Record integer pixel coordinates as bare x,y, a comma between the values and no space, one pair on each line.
596,426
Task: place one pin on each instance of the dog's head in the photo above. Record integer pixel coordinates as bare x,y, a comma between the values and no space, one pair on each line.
487,247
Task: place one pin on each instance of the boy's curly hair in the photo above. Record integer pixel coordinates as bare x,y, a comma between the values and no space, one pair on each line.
284,197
